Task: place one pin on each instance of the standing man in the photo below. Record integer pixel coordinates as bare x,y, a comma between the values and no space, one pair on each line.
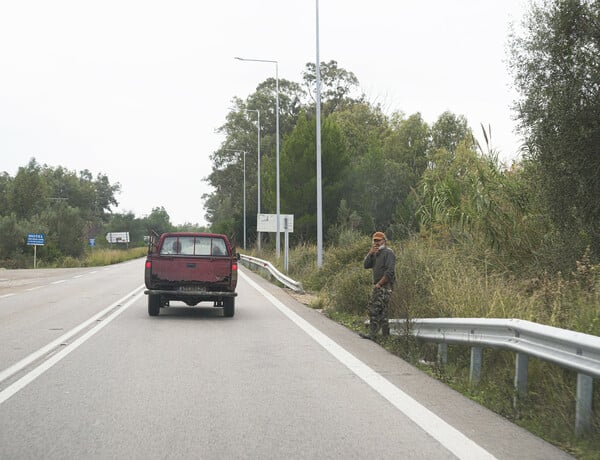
383,262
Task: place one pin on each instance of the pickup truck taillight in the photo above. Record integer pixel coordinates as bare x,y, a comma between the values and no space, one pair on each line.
148,264
234,266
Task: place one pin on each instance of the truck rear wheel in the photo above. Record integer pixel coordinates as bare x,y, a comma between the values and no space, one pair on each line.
153,304
228,307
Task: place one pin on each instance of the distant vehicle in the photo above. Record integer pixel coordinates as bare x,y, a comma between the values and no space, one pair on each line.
192,268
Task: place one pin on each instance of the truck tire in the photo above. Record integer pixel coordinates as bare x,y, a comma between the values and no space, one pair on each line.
153,304
228,307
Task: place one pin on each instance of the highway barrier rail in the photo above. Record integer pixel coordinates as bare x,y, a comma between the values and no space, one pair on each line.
568,349
268,266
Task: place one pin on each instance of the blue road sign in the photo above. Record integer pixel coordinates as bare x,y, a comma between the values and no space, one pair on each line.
35,239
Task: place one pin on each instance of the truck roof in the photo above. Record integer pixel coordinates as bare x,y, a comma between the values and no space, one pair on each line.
218,235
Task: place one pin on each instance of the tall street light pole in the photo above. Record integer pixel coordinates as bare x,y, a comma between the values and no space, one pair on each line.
277,243
258,164
318,135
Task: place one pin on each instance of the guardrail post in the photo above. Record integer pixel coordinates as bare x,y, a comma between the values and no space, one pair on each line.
521,370
442,354
476,360
583,409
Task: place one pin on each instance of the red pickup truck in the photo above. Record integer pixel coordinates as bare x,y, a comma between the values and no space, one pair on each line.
192,268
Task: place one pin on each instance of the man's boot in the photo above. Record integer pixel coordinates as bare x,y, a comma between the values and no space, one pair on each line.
372,331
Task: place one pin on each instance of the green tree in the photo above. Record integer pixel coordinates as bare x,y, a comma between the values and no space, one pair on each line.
406,146
337,85
159,220
66,229
105,193
12,236
5,185
448,131
28,194
363,128
555,64
298,176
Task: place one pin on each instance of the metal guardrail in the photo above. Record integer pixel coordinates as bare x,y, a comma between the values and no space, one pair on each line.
285,280
568,349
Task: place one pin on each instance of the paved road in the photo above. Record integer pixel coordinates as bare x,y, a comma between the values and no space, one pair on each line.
86,373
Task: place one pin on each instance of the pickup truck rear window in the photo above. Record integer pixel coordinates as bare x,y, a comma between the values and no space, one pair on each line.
193,246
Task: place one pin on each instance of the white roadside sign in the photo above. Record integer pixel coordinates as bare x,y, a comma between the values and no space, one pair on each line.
268,223
117,237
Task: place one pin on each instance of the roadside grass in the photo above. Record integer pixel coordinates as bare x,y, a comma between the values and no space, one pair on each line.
111,256
97,258
449,282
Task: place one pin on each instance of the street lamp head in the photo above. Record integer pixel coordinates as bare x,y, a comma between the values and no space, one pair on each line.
256,60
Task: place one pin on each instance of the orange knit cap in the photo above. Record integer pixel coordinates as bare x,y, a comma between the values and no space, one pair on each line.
379,236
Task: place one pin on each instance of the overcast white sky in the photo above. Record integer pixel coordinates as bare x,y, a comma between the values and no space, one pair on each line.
132,88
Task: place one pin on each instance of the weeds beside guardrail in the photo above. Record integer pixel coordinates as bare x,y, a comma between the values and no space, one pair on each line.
568,349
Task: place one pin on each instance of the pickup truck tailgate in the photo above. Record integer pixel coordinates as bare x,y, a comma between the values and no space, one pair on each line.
192,269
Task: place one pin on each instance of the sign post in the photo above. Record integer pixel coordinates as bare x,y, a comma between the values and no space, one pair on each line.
35,240
268,223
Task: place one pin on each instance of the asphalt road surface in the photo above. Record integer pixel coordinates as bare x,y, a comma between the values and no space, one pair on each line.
85,373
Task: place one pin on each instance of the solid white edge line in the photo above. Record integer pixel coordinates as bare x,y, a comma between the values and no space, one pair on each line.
451,438
8,372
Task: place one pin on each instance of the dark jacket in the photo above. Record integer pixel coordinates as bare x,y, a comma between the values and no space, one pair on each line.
383,262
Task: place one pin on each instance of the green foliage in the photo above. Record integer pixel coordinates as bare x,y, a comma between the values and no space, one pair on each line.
28,193
556,69
345,284
12,237
336,85
159,220
298,171
372,161
449,131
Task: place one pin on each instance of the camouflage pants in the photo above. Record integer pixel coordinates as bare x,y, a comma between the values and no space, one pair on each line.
377,307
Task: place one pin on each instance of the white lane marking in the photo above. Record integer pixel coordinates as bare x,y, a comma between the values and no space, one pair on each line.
78,276
34,288
452,439
58,282
7,295
28,378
